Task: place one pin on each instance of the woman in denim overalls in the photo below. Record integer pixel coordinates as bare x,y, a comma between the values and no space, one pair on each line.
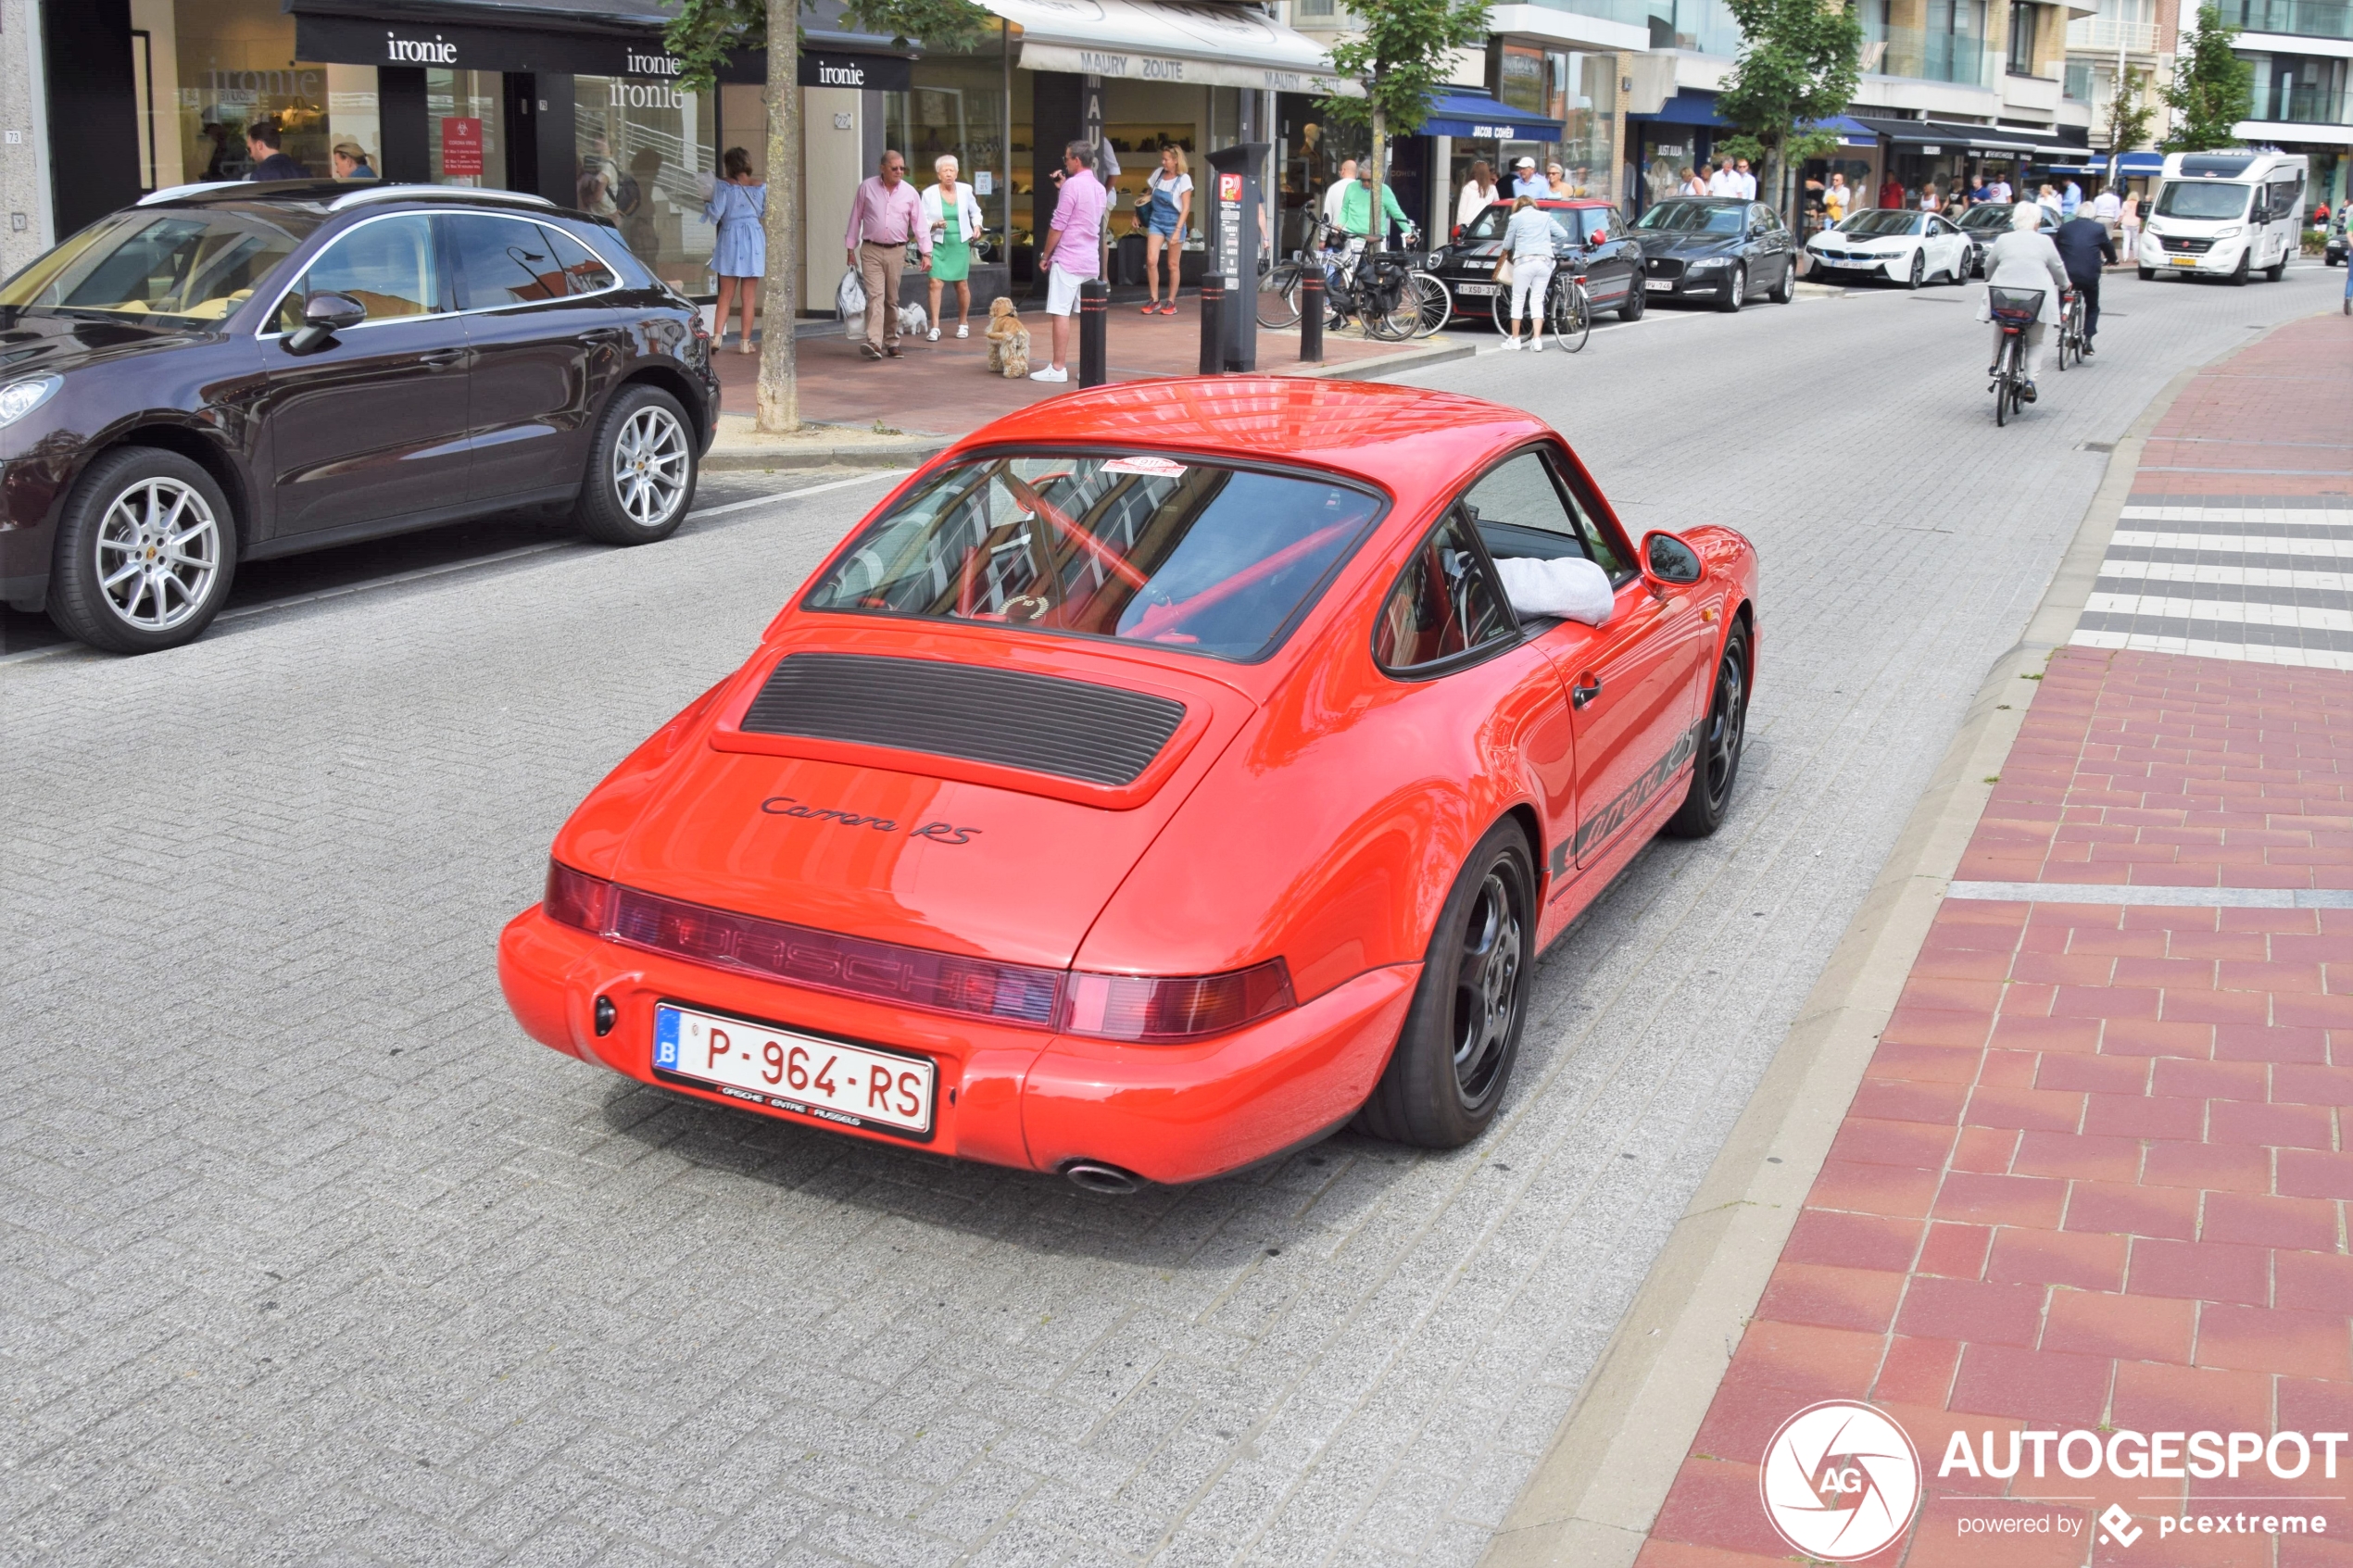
1163,225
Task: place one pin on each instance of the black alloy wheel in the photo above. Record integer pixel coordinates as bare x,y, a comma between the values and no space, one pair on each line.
1446,1077
1718,765
1735,290
1638,291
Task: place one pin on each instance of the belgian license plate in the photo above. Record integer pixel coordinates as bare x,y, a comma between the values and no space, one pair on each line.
2181,260
1659,285
1478,290
849,1086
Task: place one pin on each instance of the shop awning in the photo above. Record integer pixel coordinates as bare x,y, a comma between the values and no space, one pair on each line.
1935,136
1690,107
1483,119
1850,132
2141,163
1217,46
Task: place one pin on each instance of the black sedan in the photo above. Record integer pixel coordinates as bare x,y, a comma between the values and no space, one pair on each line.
1717,249
1988,221
1589,242
231,372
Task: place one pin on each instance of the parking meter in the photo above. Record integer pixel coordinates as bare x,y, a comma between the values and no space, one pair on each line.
1237,240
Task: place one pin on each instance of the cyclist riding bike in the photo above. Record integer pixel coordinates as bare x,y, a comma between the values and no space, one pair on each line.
2083,246
2025,258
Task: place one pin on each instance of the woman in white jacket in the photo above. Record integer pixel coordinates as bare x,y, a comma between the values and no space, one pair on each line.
952,214
1527,240
2025,258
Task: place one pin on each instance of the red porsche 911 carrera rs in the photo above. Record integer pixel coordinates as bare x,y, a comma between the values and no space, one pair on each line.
1158,780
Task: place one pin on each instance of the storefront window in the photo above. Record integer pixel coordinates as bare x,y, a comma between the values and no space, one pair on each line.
1587,110
236,68
647,162
462,114
957,107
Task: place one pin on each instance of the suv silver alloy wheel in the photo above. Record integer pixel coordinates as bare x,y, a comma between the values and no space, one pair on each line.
158,550
649,465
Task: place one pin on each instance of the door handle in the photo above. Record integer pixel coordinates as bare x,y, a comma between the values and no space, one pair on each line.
1585,691
442,360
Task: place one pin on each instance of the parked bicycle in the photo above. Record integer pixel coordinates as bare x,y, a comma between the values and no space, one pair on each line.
2017,310
1382,291
1568,309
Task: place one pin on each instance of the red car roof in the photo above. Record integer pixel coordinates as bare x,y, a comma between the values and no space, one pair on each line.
1404,438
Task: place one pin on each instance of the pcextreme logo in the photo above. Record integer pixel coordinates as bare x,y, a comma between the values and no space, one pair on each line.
1840,1481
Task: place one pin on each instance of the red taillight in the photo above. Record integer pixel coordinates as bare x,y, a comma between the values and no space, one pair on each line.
576,899
1162,1010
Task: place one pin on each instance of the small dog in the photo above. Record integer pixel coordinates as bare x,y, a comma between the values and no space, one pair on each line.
1007,340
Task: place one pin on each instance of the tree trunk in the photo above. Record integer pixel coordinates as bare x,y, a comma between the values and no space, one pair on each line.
1775,176
1380,160
778,402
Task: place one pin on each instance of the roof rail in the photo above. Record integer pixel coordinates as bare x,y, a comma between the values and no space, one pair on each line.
174,193
435,193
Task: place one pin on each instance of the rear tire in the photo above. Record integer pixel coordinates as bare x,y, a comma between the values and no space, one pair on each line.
1717,766
641,469
2276,270
146,549
1572,314
1453,1056
1279,296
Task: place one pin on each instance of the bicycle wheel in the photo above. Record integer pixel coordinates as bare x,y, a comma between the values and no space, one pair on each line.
1436,304
2006,368
1389,305
1278,296
1572,314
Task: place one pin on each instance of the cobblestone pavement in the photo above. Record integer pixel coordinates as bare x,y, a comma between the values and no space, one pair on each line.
306,1255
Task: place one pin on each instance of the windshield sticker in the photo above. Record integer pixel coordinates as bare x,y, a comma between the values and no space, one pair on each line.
1150,468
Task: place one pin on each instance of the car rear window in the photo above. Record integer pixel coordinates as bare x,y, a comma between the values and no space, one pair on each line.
1201,557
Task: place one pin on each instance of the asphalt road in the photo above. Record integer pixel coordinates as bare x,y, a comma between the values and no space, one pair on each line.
306,1255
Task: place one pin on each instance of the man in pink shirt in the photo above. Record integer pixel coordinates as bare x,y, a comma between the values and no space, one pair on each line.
1074,248
887,216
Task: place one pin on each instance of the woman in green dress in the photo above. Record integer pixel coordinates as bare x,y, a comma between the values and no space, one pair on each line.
952,213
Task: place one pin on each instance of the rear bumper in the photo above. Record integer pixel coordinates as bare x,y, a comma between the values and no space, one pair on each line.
1007,1095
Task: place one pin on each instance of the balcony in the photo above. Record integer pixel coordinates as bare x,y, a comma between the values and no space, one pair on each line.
1922,56
2308,19
2108,34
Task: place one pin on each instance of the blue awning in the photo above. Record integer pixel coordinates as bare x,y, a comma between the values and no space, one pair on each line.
1850,132
1690,106
2141,163
1482,119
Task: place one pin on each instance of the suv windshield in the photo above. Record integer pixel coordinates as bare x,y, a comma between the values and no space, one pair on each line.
1573,226
2201,198
1987,215
1196,556
1883,220
1695,217
180,266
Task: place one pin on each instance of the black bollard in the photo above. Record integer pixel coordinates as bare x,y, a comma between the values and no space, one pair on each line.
1310,316
1094,317
1213,324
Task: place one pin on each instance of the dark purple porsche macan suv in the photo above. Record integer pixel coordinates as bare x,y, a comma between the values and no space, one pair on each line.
231,373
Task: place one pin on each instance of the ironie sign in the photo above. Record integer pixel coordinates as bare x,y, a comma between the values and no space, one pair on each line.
356,40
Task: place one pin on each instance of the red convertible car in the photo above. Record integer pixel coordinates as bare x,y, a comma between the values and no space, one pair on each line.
1155,782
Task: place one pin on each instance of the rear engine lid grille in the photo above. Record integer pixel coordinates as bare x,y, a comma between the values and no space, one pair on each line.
1040,724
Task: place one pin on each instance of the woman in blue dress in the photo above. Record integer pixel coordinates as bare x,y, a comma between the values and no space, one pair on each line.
739,206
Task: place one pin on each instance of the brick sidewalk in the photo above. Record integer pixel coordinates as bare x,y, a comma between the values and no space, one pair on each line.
946,388
2097,1174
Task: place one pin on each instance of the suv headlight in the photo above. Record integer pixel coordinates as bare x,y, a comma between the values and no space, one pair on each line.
22,397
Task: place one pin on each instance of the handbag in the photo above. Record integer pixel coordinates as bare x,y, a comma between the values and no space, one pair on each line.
1503,272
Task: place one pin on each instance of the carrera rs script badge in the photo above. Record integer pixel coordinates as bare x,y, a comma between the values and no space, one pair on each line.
939,832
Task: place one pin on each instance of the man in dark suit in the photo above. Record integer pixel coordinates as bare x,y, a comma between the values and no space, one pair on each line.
2083,245
269,163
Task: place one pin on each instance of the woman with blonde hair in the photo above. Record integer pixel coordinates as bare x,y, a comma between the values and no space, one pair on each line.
1170,188
952,214
1527,240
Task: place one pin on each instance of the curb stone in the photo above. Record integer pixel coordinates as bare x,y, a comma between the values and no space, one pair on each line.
1594,1496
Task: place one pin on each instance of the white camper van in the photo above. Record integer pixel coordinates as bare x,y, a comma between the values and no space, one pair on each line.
2223,215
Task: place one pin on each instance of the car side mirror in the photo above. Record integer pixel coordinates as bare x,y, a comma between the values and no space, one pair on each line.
324,315
1668,559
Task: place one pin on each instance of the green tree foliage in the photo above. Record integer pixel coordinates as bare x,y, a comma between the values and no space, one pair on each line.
2129,113
702,37
1401,57
1798,66
2212,90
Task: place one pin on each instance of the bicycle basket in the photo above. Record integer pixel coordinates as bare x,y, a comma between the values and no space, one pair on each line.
2016,306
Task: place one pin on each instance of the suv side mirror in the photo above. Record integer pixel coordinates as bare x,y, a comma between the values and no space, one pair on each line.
1668,559
324,315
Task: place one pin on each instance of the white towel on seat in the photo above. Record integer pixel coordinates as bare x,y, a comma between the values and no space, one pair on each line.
1573,588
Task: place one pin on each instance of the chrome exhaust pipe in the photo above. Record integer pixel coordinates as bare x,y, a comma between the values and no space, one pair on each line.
1108,1180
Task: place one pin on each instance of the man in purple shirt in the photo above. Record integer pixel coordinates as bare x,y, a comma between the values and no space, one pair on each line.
1074,248
884,220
